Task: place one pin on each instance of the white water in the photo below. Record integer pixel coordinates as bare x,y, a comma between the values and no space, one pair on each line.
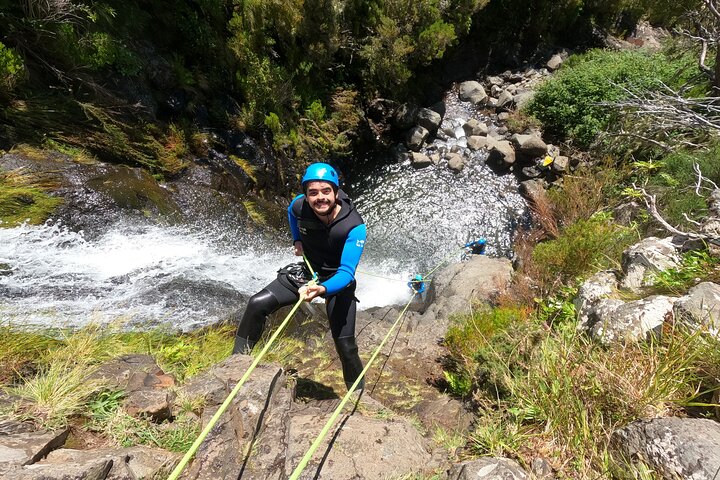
147,275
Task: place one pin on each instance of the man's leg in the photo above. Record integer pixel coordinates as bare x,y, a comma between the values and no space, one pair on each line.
260,305
341,309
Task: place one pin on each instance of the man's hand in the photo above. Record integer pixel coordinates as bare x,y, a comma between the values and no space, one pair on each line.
311,291
298,248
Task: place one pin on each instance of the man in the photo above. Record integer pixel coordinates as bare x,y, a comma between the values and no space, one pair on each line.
326,228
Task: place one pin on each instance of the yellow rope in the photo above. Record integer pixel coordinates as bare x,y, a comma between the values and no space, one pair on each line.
193,448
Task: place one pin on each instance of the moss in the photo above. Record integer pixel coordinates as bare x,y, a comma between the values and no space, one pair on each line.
24,199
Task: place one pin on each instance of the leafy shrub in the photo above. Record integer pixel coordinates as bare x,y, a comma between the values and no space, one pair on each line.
581,249
674,180
11,68
567,104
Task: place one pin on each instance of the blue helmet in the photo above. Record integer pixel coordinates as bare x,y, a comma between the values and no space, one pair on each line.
321,172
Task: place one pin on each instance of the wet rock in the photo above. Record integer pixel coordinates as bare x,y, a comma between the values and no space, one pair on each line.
488,468
420,160
27,447
615,321
533,190
416,137
646,257
472,91
405,116
701,306
390,449
555,62
455,162
676,448
473,127
501,154
477,142
600,286
429,119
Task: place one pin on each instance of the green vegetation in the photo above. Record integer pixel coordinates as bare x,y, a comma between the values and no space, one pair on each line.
25,198
569,104
50,369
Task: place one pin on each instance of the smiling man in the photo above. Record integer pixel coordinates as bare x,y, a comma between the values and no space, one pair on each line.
326,228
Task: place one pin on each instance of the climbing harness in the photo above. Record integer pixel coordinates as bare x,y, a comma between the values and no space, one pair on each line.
417,284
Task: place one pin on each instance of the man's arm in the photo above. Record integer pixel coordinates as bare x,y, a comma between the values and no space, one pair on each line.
352,250
294,230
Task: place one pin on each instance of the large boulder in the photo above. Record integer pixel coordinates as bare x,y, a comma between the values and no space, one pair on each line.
258,416
649,256
501,154
598,287
429,119
365,448
472,91
488,468
530,146
416,136
701,306
675,448
614,321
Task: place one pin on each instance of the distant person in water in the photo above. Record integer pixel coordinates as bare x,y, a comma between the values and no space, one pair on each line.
326,228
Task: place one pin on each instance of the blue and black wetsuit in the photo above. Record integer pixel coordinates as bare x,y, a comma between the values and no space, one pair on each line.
333,252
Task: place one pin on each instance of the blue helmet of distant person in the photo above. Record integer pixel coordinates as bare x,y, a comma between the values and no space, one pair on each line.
321,172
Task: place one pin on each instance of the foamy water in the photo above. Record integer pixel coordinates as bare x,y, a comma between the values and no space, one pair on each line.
147,275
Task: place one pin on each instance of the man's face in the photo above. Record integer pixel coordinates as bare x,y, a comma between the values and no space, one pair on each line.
321,197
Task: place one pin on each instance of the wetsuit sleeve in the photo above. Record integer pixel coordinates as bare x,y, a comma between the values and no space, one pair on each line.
292,220
349,260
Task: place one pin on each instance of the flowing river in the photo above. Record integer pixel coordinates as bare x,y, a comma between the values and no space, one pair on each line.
142,274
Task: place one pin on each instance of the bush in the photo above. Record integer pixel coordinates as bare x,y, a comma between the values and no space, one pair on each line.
11,68
582,248
567,104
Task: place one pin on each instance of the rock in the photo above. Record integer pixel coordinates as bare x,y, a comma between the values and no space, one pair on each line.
126,463
429,119
701,306
560,164
416,136
471,91
494,80
257,417
501,154
616,321
478,279
600,286
27,447
648,256
420,160
676,448
382,109
387,449
93,470
530,146
455,162
496,90
154,404
503,117
533,190
405,116
473,128
555,62
435,158
522,98
477,142
491,102
626,213
530,172
488,468
505,99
